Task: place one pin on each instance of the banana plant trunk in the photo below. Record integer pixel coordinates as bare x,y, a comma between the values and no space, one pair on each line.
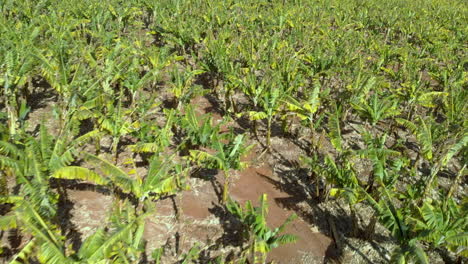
370,229
317,187
429,182
354,219
12,119
253,258
456,183
11,107
254,126
268,137
313,142
370,182
225,186
115,147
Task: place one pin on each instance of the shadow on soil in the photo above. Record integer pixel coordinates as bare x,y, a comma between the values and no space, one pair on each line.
301,189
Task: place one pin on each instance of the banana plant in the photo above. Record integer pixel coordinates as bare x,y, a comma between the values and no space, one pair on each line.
392,218
47,243
429,137
334,127
382,159
17,72
414,95
312,163
63,74
254,87
218,62
134,83
443,224
270,103
261,239
49,246
153,138
200,131
31,164
455,103
426,133
164,176
118,122
226,157
182,85
120,241
387,165
341,175
376,109
306,109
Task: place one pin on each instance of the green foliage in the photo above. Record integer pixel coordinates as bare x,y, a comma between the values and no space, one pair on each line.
200,131
424,132
164,177
442,225
260,237
393,219
119,78
227,157
375,109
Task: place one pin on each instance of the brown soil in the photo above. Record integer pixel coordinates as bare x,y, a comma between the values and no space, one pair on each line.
89,211
250,185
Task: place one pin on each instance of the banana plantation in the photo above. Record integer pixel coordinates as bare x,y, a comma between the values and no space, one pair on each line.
210,132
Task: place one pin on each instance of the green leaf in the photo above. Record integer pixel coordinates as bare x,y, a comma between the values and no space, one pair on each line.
454,149
100,245
428,99
335,130
79,173
419,255
8,222
202,157
459,239
26,251
116,175
253,115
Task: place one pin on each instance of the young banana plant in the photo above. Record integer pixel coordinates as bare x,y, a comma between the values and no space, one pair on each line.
49,246
17,71
118,122
183,87
32,163
200,131
393,219
152,138
342,176
120,241
254,89
306,109
382,158
219,63
434,146
63,74
270,103
334,126
455,103
443,224
376,109
164,176
414,95
261,239
426,132
227,157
